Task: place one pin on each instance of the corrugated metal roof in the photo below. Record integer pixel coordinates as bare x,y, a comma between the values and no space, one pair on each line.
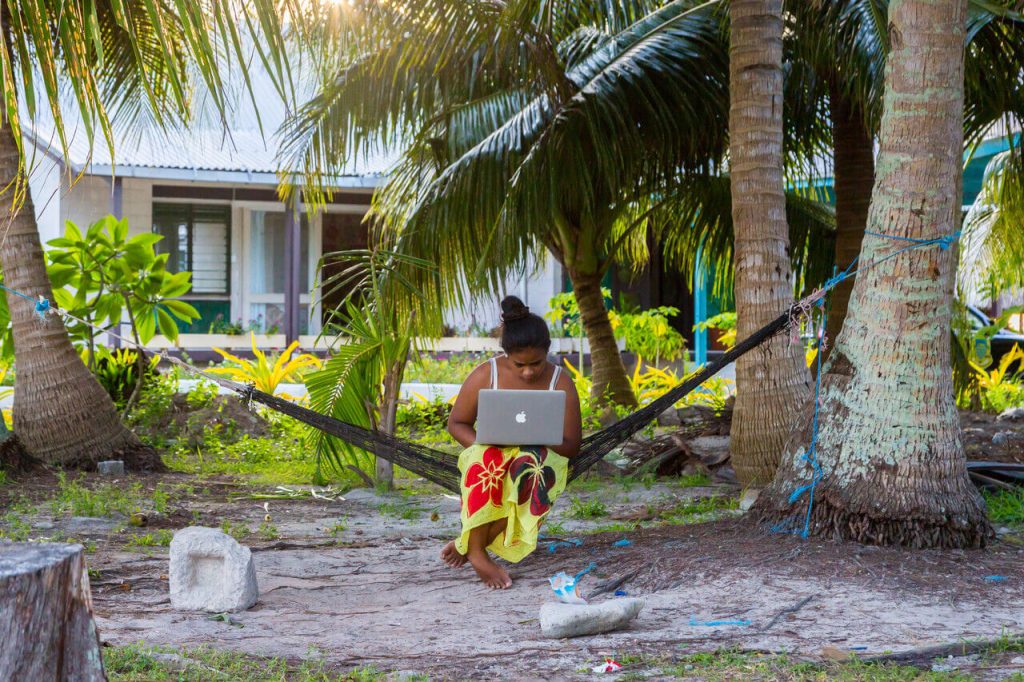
243,152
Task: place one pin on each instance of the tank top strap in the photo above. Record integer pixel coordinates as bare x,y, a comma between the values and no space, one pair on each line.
554,377
494,373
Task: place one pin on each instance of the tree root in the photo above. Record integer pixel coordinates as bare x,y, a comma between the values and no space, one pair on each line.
15,460
833,521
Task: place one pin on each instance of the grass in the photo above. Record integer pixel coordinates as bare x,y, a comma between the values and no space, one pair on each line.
406,512
697,511
161,538
236,530
107,499
13,527
587,509
693,481
726,665
3,478
138,663
1006,507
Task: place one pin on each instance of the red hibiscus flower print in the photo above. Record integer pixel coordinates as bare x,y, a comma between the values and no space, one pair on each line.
533,479
484,481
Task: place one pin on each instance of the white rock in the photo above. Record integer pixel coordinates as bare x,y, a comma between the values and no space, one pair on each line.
210,571
112,467
559,620
748,498
1011,414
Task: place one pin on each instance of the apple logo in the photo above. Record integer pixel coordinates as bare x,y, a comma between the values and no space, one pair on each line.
521,418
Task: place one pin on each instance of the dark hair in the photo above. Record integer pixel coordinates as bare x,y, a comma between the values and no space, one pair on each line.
521,329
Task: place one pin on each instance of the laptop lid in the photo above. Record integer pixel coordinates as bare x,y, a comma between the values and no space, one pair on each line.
510,417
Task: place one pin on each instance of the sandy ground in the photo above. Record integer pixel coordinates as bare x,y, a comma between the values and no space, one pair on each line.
378,593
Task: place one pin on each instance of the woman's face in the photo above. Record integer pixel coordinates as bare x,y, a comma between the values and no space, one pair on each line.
529,363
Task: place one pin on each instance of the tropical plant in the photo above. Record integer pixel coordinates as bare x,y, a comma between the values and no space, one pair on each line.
1000,387
991,248
360,381
117,64
265,372
725,323
845,45
118,372
528,128
878,458
104,275
644,332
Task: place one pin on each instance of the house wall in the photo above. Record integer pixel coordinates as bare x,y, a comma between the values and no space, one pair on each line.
45,185
535,289
90,198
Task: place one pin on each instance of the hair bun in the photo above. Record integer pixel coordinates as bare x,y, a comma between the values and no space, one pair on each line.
513,309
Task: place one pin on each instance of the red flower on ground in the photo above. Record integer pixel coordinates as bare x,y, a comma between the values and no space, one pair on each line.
485,481
533,479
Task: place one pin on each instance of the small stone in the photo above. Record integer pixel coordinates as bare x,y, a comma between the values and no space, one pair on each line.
748,498
695,414
112,467
711,450
558,620
1011,414
211,572
669,417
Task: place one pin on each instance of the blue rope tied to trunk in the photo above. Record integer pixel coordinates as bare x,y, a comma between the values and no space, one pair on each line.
811,455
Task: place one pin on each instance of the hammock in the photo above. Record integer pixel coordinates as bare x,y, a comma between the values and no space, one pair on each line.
442,468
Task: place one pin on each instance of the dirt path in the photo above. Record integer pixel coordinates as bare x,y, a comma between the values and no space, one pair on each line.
376,591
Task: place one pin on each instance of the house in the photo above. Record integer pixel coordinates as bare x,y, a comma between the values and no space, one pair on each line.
213,198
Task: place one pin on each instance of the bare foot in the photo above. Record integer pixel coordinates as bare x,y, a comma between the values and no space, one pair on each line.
492,575
451,557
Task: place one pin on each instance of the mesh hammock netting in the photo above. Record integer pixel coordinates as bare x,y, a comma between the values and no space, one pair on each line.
442,468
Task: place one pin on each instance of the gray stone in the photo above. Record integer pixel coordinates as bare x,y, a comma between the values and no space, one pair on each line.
711,450
695,414
558,620
210,571
1011,414
669,418
113,467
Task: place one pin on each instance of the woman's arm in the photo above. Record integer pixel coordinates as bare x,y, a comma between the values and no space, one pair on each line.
573,434
462,420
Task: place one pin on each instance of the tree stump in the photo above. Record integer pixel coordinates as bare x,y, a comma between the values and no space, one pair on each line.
46,622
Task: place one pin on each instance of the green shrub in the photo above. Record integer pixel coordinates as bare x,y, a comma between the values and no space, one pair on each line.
452,370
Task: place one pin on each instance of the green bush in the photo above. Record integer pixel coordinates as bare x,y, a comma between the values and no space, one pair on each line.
117,371
453,370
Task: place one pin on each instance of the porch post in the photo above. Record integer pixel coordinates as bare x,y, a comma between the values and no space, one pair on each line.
292,254
116,210
700,309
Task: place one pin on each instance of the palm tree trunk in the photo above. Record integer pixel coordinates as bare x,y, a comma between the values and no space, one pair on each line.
770,386
854,175
388,416
61,413
889,443
609,382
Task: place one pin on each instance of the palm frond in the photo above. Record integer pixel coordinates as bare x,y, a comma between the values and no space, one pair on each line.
991,247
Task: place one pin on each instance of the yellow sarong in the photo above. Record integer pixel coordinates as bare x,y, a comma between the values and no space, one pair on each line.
518,483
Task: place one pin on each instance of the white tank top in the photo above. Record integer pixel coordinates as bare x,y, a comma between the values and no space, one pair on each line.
494,375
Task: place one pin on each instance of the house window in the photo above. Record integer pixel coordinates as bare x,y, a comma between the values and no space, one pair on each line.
197,238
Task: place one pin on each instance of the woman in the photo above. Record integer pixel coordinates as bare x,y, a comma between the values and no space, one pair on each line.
507,491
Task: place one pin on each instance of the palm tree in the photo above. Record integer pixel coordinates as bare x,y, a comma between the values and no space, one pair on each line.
888,464
846,44
527,127
116,63
768,393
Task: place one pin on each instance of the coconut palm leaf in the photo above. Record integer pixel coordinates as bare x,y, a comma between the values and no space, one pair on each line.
118,62
991,241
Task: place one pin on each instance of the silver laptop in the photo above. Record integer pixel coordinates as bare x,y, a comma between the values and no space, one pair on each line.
509,417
